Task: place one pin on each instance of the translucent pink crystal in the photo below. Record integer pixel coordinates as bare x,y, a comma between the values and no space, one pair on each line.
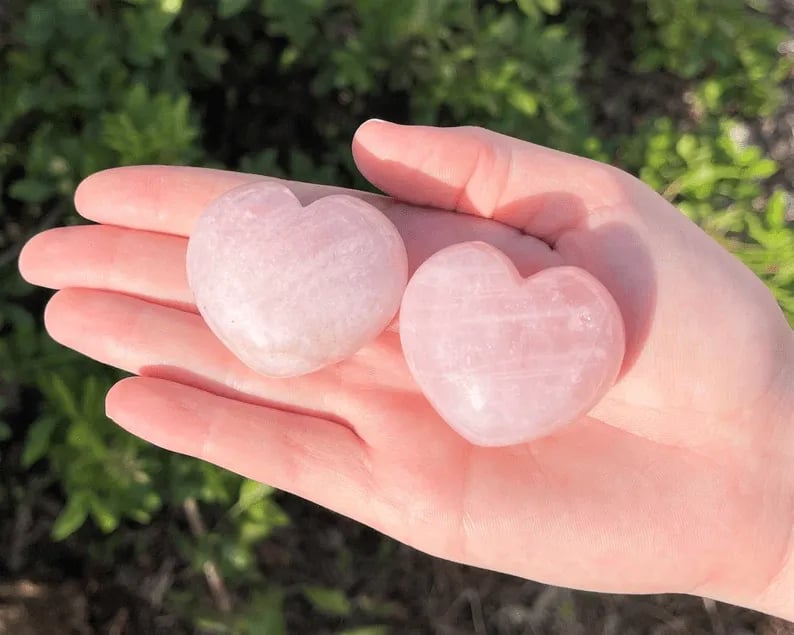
503,359
290,289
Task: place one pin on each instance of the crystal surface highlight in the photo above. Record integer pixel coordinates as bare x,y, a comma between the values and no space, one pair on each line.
291,289
503,359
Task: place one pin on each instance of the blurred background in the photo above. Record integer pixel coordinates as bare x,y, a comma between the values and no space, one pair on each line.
100,533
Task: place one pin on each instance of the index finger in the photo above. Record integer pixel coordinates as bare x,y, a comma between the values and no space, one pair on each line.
169,199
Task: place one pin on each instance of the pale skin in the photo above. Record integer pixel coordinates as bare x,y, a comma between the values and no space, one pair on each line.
680,480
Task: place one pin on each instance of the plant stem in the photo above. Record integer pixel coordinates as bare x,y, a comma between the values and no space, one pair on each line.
214,580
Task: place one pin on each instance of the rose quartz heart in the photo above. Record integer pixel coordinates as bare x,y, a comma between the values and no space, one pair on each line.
504,359
291,289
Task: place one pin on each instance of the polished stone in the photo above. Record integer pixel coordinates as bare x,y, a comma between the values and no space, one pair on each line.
503,359
291,289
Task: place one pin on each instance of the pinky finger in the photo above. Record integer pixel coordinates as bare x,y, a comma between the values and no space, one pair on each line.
316,459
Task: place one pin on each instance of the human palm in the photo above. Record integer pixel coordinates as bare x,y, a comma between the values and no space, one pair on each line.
676,471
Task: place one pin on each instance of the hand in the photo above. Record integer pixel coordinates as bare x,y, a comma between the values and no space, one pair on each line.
680,480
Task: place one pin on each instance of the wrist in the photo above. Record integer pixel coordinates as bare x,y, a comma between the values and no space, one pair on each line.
777,597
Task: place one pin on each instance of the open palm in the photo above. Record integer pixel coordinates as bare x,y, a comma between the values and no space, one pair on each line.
659,488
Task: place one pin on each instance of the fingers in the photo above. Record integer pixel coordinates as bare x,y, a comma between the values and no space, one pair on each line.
157,341
538,190
137,263
314,458
170,199
151,265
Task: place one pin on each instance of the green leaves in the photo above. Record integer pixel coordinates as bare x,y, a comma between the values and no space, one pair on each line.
777,209
730,47
256,514
31,190
92,89
710,172
535,8
37,441
230,8
104,472
262,614
150,128
78,508
716,177
265,615
71,518
328,600
365,630
297,20
767,247
147,28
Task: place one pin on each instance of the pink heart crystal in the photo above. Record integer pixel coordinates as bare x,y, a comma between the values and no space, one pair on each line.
290,289
504,359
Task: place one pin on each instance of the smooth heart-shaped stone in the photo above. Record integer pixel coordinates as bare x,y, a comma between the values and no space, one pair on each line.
503,359
290,289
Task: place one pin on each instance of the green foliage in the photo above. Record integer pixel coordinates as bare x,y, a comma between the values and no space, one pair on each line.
330,601
730,44
536,8
707,172
442,60
716,177
366,630
262,614
109,476
84,89
103,473
252,516
769,247
278,87
728,51
149,128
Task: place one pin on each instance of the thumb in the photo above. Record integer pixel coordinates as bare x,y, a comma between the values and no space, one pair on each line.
595,216
540,191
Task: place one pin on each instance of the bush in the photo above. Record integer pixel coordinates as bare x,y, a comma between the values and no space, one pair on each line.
279,87
729,47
